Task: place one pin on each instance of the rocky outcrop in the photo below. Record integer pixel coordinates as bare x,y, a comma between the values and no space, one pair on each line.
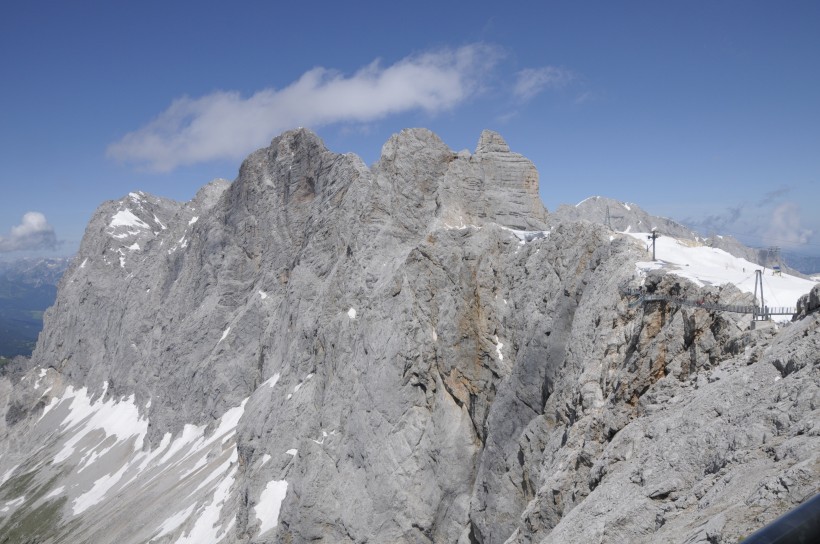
808,303
413,352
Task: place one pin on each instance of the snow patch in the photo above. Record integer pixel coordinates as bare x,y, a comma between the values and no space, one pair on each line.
351,313
55,493
588,198
525,236
119,418
82,265
263,295
8,474
20,500
172,523
292,452
270,382
224,334
193,220
270,502
205,529
87,428
126,218
461,225
265,459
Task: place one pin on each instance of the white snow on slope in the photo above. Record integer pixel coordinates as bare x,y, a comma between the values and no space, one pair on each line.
103,440
120,419
172,524
8,505
498,346
588,198
8,474
270,501
711,266
206,529
525,236
126,218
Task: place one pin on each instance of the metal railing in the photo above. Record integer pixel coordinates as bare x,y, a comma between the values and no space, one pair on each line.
758,311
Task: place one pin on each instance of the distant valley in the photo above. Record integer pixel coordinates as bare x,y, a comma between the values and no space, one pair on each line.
27,288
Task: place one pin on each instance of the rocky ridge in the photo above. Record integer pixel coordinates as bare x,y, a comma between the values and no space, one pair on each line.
629,217
413,352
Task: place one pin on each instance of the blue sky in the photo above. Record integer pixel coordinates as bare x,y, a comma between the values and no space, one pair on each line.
699,111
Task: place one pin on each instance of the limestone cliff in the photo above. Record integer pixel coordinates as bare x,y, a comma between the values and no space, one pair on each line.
322,351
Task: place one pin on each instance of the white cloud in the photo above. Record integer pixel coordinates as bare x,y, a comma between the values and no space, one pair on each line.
531,81
33,232
225,125
785,228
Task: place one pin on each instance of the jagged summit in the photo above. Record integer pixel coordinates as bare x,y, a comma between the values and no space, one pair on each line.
322,351
491,142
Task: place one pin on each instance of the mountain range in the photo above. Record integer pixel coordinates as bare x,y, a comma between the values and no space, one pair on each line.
417,351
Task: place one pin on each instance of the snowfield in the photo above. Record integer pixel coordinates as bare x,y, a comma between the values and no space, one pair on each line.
101,445
711,266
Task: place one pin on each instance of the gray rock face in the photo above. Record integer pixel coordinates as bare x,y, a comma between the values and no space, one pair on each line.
810,302
415,352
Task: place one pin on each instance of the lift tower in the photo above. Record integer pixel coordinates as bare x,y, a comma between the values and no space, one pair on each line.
761,314
654,236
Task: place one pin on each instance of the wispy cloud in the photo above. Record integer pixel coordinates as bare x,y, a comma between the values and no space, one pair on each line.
532,81
586,97
785,228
33,232
748,222
718,223
772,196
226,125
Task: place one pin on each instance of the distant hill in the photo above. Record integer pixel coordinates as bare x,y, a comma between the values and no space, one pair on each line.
27,288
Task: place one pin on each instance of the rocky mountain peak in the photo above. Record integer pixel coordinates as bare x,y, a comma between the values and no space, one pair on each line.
207,196
491,142
458,189
322,351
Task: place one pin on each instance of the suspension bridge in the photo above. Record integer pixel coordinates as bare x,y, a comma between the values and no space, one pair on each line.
761,311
